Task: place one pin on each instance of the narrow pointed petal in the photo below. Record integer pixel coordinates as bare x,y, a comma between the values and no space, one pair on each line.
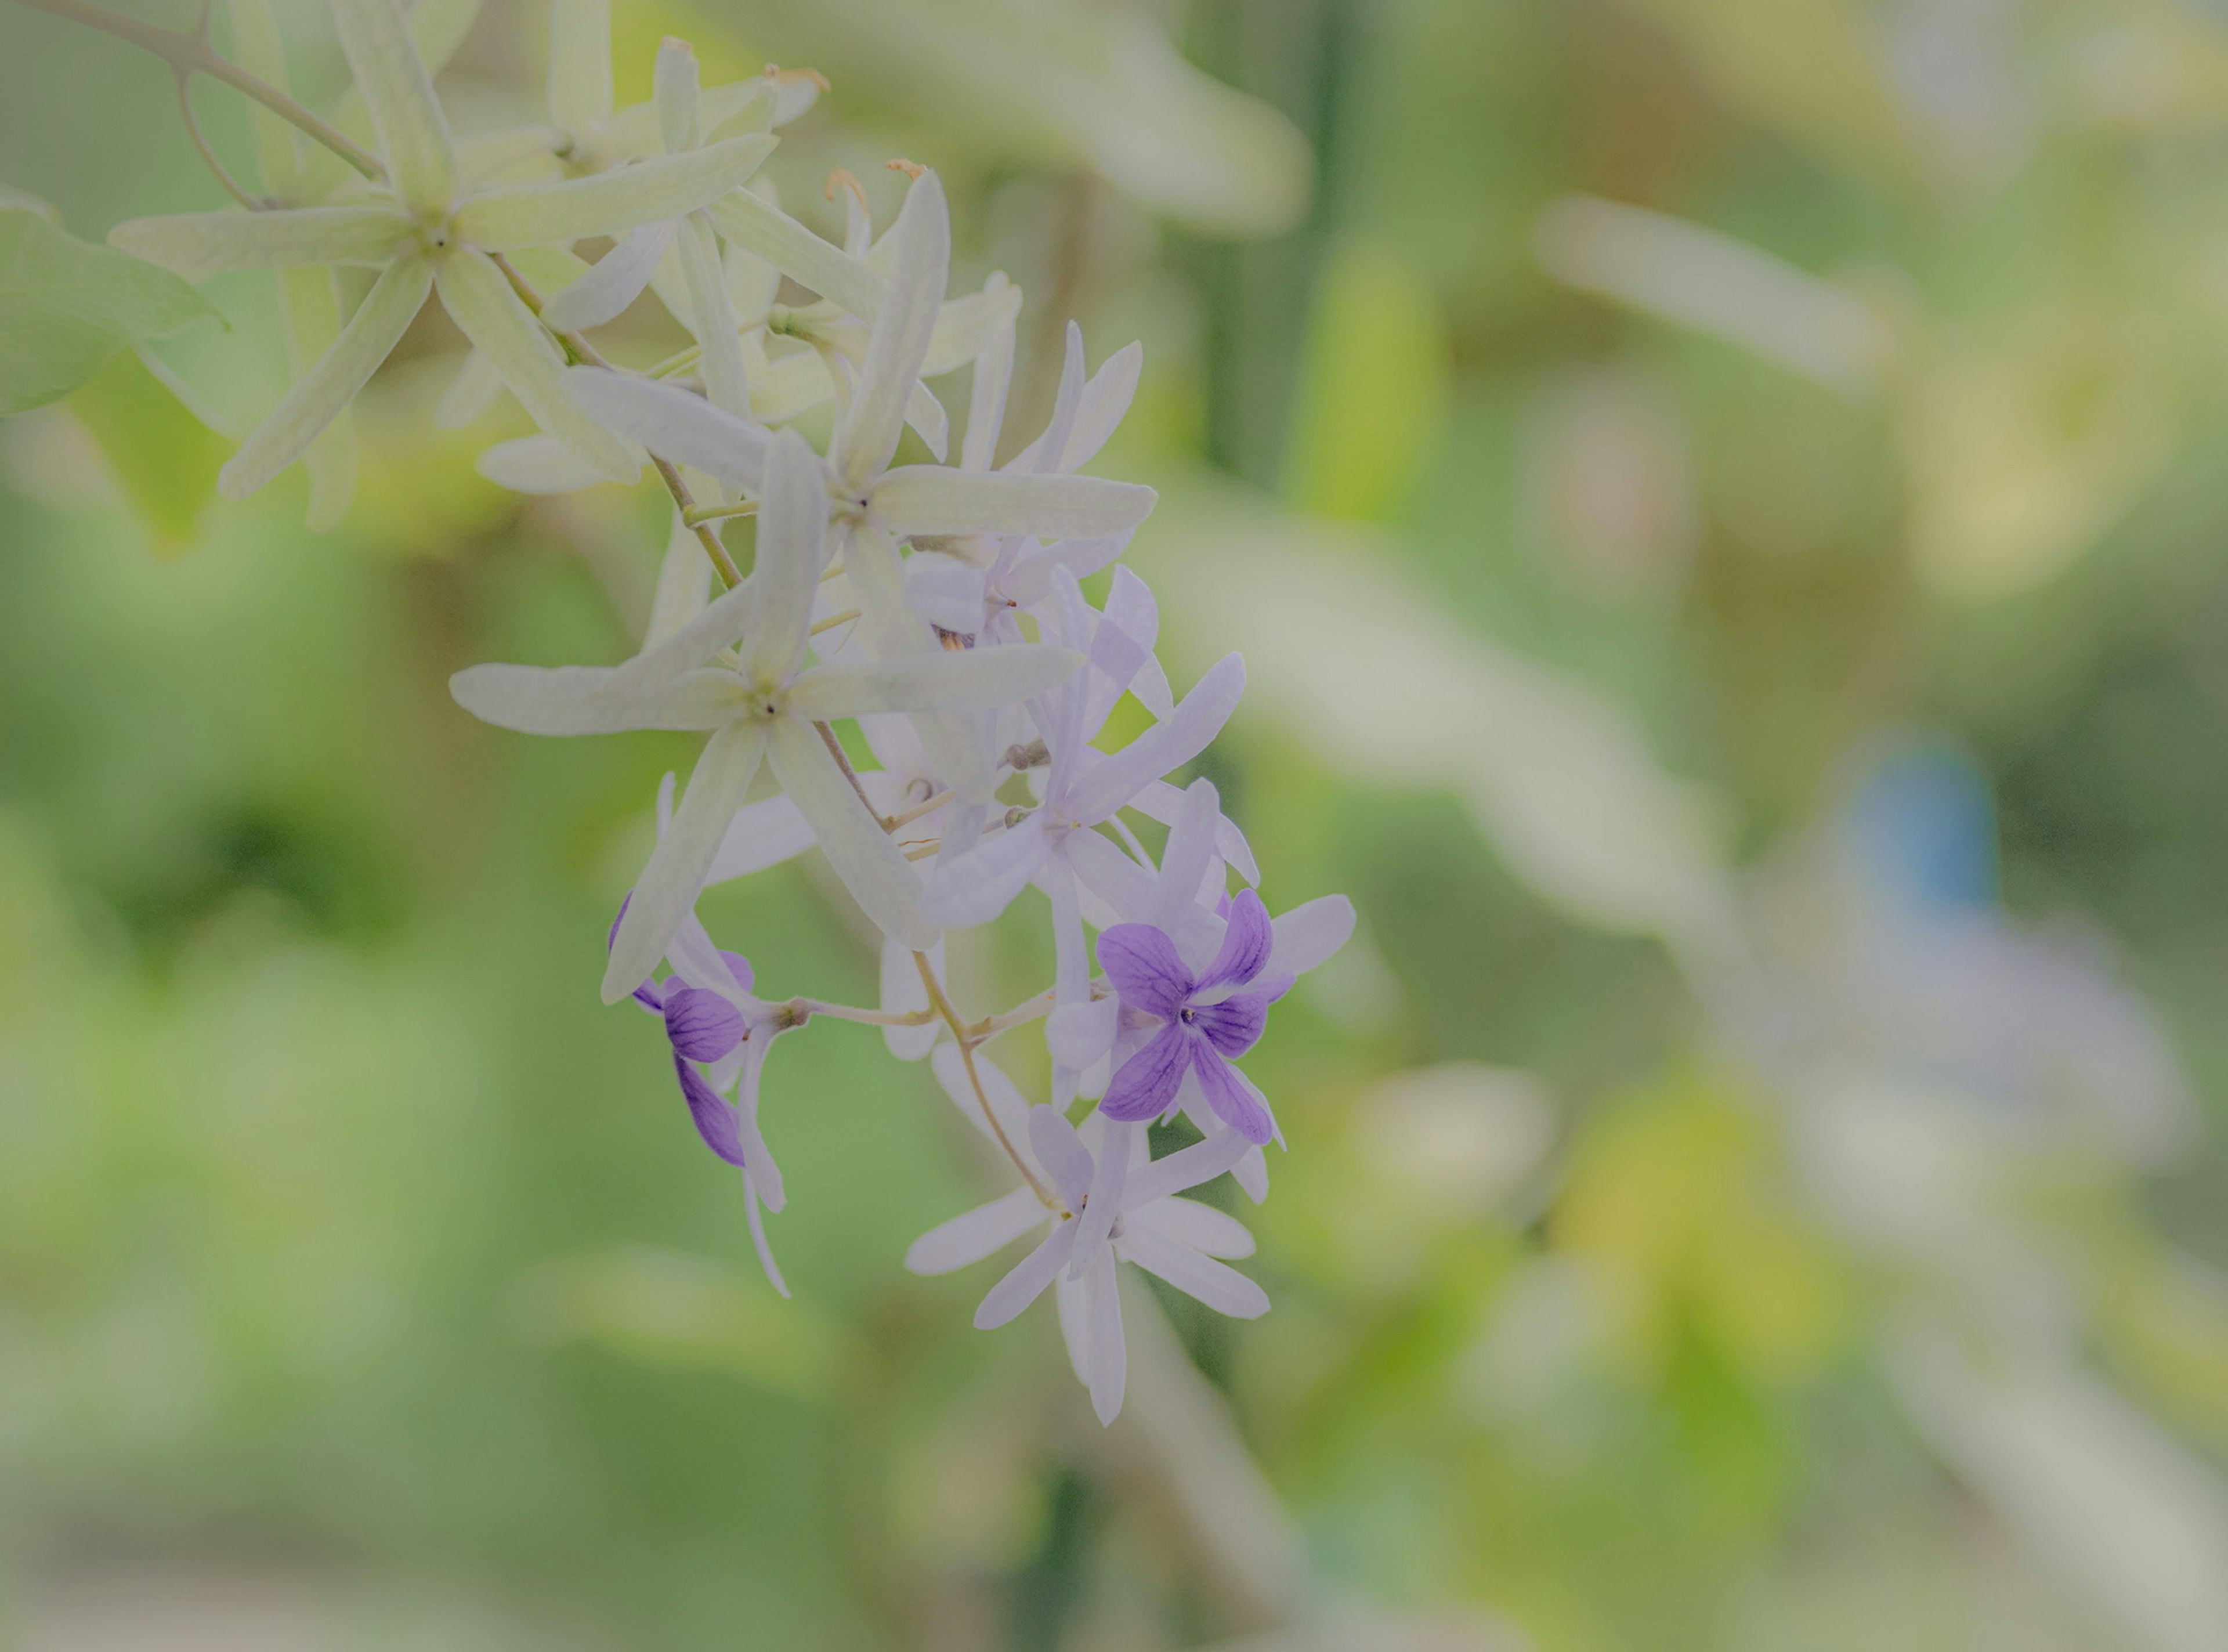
982,1232
198,245
792,550
1143,964
1238,1101
470,393
495,319
541,465
1074,1327
1189,1167
1109,874
1199,717
928,420
1245,944
714,1118
762,834
609,203
579,65
920,253
1027,1280
673,423
1095,1218
684,585
1144,1086
1108,1365
1185,857
712,318
871,867
677,85
413,133
1309,934
666,891
327,388
975,681
979,885
1062,1154
613,281
758,1236
994,374
765,230
1223,1289
1104,400
310,305
1206,1230
936,499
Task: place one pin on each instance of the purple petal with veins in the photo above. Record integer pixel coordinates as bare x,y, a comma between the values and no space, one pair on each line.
1246,944
702,1025
1145,1085
1234,1026
1143,964
715,1120
739,967
1236,1103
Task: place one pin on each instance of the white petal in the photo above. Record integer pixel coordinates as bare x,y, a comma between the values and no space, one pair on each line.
758,1236
985,1229
1027,1280
413,134
994,374
926,415
309,309
1187,1166
1223,1289
666,892
982,883
613,281
969,324
871,867
1095,1218
1309,933
594,699
944,590
675,85
1206,1230
543,464
1107,1368
327,388
905,993
920,251
1074,1326
684,587
792,550
712,318
972,681
609,203
760,227
470,393
936,499
761,835
579,65
673,423
1162,802
1165,745
198,245
481,302
1062,1154
1106,871
1007,1107
1251,1173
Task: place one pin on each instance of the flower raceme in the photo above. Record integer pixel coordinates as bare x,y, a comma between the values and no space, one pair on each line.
938,608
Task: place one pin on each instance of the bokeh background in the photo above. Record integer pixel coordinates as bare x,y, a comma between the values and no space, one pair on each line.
1725,504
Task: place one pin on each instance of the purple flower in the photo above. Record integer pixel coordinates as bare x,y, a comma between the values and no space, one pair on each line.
1205,1022
701,1025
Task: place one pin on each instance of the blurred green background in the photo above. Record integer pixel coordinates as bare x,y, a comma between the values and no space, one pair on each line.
1759,664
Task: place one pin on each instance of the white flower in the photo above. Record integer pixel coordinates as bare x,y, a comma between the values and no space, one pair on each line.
1176,1238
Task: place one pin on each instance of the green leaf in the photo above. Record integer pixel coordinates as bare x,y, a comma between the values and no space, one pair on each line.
163,457
66,307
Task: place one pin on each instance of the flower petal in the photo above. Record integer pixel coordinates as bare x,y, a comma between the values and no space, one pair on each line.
198,245
715,1119
666,892
792,550
1142,963
1094,1217
1170,745
541,465
609,203
310,308
936,499
1107,1365
712,318
1236,1100
1310,933
1144,1086
1026,1282
1206,1230
1223,1289
413,133
1245,944
579,65
974,681
481,302
982,1230
702,1025
871,867
765,230
595,699
919,244
1189,1167
761,835
1234,1026
1062,1154
975,887
324,392
672,423
613,281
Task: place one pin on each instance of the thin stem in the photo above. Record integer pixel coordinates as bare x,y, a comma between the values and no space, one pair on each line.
833,621
1019,1015
843,762
942,1005
188,53
713,513
801,1008
588,355
200,142
929,807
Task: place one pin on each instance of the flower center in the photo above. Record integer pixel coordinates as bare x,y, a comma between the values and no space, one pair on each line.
1187,1014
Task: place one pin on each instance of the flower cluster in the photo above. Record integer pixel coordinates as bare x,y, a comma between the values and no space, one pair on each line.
938,607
